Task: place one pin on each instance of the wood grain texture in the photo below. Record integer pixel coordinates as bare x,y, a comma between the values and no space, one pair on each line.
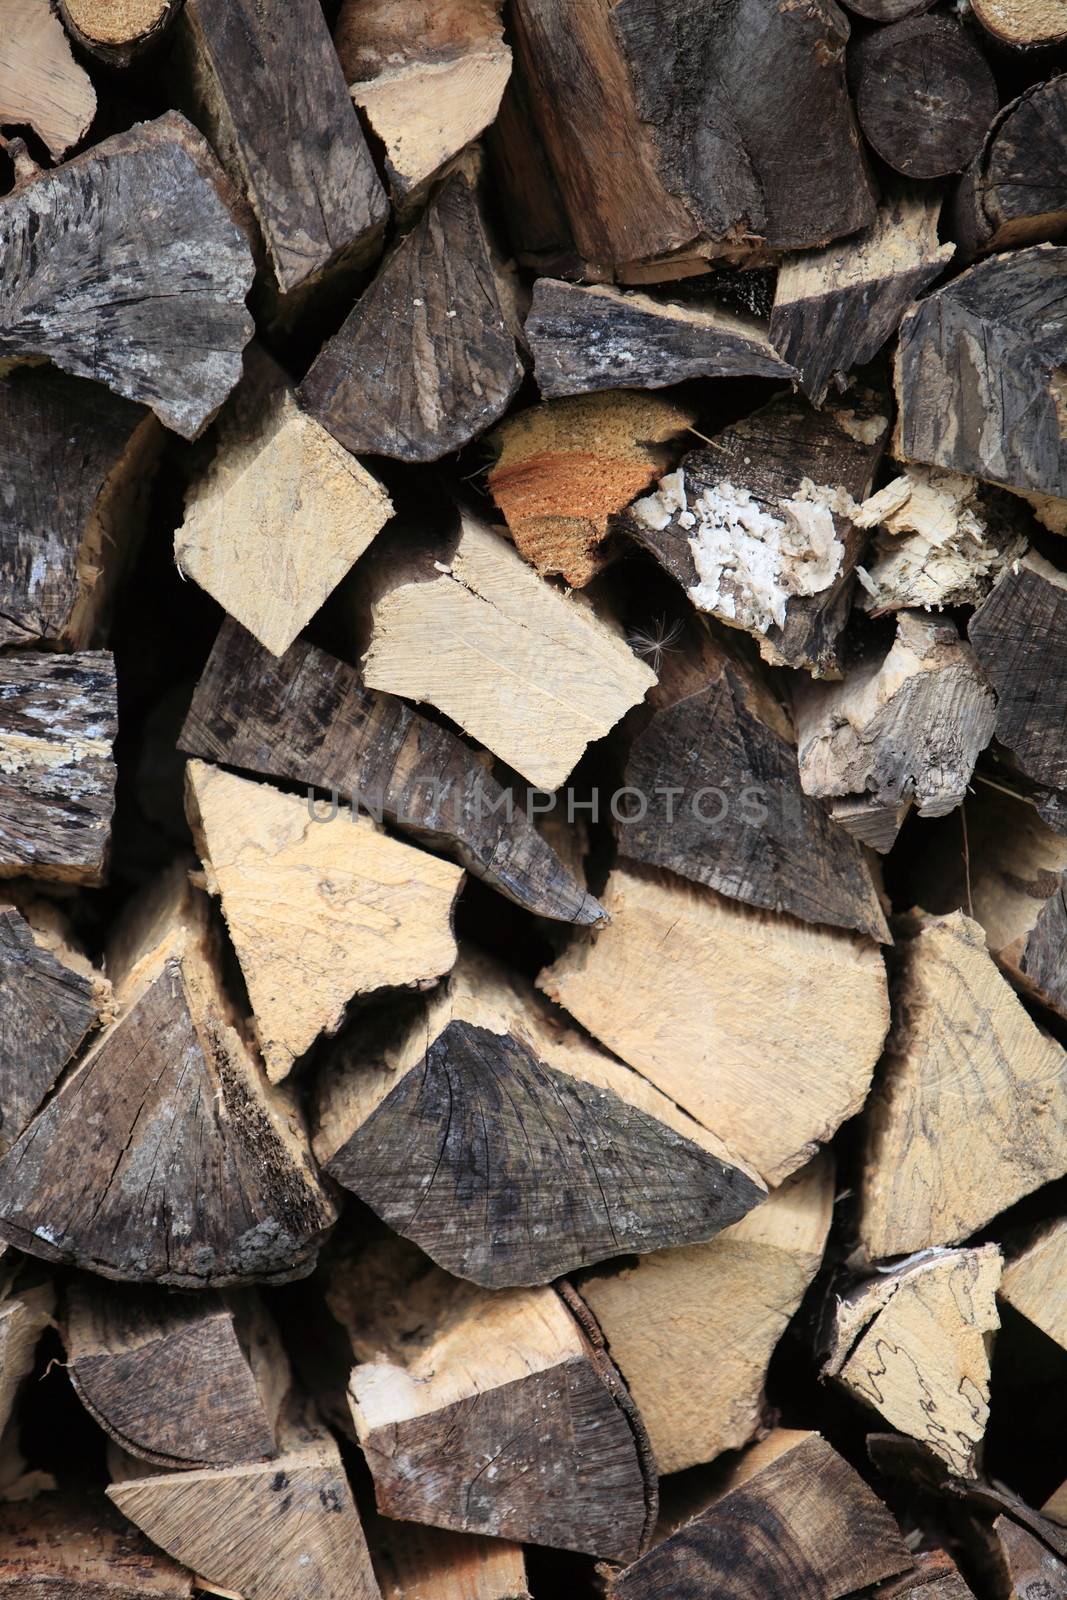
418,1563
969,1112
41,84
24,1315
887,10
1014,192
117,34
310,718
125,265
425,361
58,721
1022,23
1027,1566
75,1547
1035,1282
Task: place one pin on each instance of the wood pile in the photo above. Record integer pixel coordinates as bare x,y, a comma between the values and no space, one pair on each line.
533,800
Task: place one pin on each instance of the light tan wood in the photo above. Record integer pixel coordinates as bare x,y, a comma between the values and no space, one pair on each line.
116,21
318,911
41,84
418,1563
24,1315
764,1028
1035,1282
692,1330
1023,22
915,1345
531,674
1055,1507
971,1110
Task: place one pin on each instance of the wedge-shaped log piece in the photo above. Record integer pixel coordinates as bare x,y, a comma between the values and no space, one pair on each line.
491,1413
765,1029
915,1345
715,767
164,1157
309,717
597,337
692,1330
25,1312
280,515
1024,1564
553,1154
1015,190
971,1110
533,676
418,1563
267,88
41,84
428,79
1035,1282
426,360
317,914
178,1380
117,35
979,373
792,1518
903,727
835,308
58,721
71,1547
285,1529
757,526
125,265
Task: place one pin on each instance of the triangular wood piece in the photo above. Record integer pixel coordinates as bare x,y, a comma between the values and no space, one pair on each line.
1035,1282
318,911
41,84
69,1547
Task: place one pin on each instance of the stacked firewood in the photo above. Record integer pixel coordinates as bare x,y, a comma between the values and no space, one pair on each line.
533,799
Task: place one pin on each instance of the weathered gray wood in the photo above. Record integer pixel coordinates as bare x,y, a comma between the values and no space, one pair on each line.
888,10
1020,637
1015,190
125,265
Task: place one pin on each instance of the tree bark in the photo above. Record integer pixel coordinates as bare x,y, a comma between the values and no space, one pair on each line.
1015,190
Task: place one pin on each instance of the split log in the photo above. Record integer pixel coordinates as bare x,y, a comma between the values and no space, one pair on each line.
979,373
69,1547
888,10
701,996
491,1412
316,916
1015,191
563,469
835,308
41,85
692,1330
426,359
163,1157
1025,1565
971,1110
265,84
924,95
1035,1282
1056,1506
902,728
934,1576
117,35
428,79
58,721
308,717
530,674
715,767
793,1517
1022,23
417,1563
24,1315
597,337
757,526
280,515
554,1155
182,1381
915,1345
125,265
285,1529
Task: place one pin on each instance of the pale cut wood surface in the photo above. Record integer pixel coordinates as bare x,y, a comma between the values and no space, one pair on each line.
413,1562
24,1315
1023,22
74,1546
41,84
1035,1282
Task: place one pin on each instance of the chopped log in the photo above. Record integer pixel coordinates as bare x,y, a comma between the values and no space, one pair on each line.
915,1345
888,10
979,373
971,1109
416,1563
41,85
715,767
924,95
835,308
577,1157
1022,23
533,676
58,721
491,1412
425,360
792,1518
1035,1282
308,717
24,1315
428,79
115,35
935,1576
125,265
51,998
757,527
1015,192
700,995
942,540
72,1547
904,727
565,467
164,1157
536,223
692,1330
285,1529
280,515
182,1381
265,84
316,917
597,337
1024,1564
